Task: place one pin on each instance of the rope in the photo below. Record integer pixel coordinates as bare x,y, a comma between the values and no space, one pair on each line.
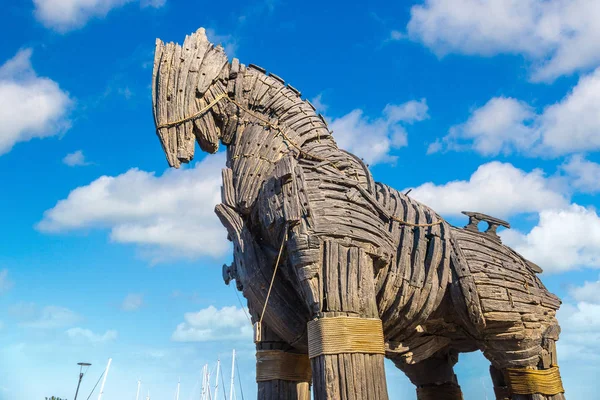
281,131
342,335
240,380
241,305
92,392
531,381
223,381
446,391
280,365
285,235
196,115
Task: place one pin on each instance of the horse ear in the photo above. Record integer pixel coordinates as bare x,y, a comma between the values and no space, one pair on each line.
212,64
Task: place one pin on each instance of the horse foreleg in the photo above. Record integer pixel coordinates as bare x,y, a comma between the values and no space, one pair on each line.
281,372
346,337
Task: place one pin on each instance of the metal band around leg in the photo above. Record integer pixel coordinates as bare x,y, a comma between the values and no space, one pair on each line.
340,335
279,365
532,381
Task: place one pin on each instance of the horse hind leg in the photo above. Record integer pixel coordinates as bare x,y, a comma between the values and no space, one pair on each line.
434,377
515,366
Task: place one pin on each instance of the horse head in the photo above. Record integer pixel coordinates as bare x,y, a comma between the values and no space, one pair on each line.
188,83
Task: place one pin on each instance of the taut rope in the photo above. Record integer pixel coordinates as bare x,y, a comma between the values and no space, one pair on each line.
285,235
196,115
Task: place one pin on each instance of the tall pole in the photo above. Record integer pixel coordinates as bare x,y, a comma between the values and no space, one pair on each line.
203,383
81,373
208,395
177,394
78,383
137,395
231,392
104,379
217,379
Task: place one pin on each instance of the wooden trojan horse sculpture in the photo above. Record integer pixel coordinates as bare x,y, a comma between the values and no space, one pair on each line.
338,270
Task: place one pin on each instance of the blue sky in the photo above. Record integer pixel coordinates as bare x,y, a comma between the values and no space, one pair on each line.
490,106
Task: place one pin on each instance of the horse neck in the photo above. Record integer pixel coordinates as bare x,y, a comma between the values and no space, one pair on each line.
269,120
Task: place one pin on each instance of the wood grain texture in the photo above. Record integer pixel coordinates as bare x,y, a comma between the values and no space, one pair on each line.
353,246
280,389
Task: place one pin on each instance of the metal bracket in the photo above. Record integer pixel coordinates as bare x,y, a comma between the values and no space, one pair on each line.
227,273
493,224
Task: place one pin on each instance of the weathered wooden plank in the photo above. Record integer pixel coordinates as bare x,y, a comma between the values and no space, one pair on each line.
168,142
158,53
227,189
185,136
211,66
287,320
332,293
171,103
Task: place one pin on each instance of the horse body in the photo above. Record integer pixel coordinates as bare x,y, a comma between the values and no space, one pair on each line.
307,218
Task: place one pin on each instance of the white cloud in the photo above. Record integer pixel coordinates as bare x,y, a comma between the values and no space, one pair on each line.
373,140
91,337
564,239
153,3
505,125
132,302
494,188
589,292
172,213
23,311
580,337
573,124
584,174
317,101
397,35
209,324
580,323
48,317
5,283
502,125
75,159
558,36
66,15
30,106
228,42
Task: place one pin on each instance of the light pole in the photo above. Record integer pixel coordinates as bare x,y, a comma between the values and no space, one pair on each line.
81,373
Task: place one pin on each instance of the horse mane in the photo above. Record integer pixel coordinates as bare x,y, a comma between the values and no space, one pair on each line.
281,103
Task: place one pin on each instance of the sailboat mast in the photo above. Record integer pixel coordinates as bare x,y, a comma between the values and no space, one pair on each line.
177,394
231,392
137,395
104,379
208,394
203,383
217,379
